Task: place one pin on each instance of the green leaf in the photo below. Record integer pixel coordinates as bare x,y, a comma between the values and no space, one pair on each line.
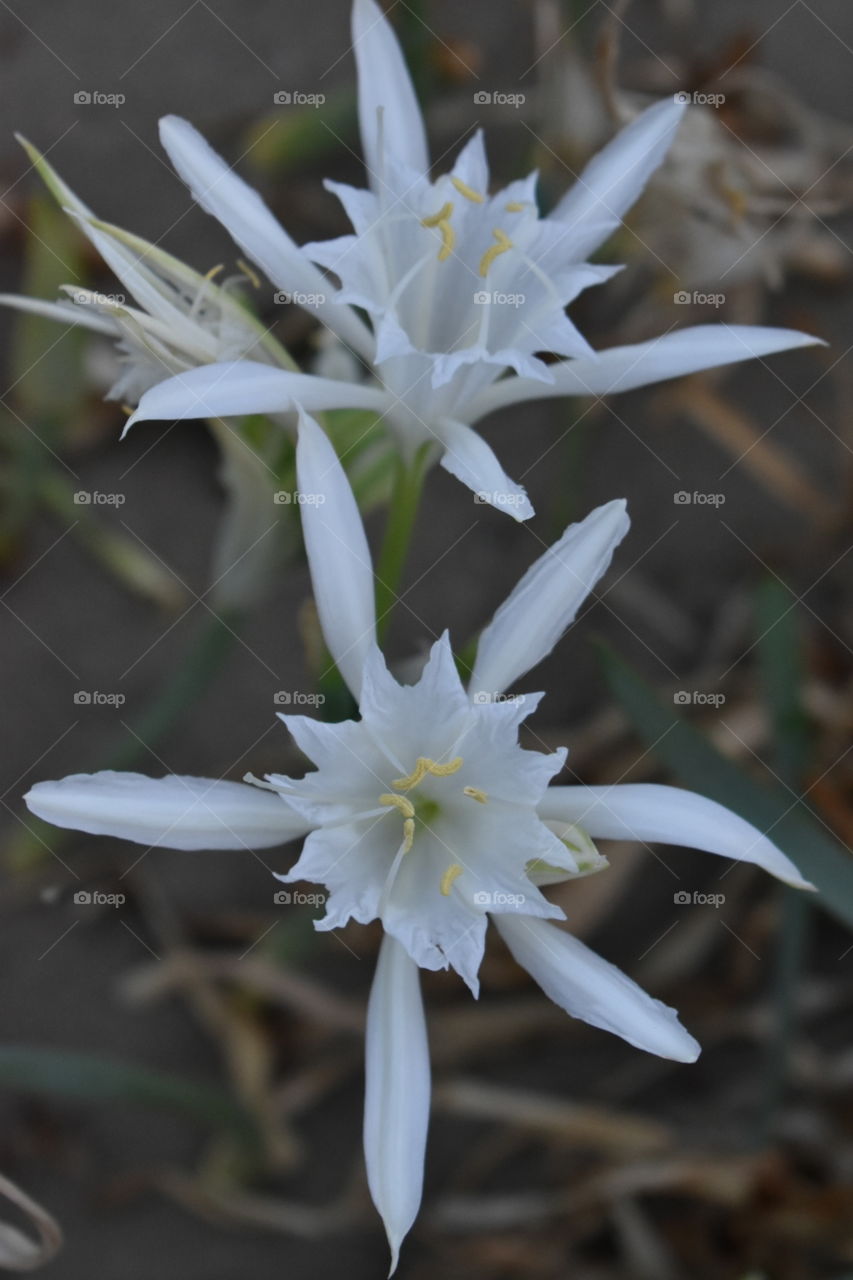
85,1077
769,806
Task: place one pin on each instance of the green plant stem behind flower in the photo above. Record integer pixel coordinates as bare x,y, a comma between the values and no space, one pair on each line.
402,513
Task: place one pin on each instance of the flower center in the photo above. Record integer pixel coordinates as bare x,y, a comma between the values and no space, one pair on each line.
423,810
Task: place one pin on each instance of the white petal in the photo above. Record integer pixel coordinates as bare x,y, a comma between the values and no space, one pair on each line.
614,179
387,106
397,1092
544,602
468,457
245,386
173,812
338,554
704,346
648,812
67,312
591,988
218,189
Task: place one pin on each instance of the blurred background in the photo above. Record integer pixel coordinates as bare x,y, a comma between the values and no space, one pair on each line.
181,1066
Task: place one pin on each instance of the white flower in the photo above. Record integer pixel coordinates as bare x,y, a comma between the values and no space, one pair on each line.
461,286
427,814
181,319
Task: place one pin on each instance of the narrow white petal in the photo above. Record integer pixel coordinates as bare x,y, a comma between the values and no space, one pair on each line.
388,109
67,312
397,1091
544,602
235,387
649,812
338,554
173,812
219,191
592,989
704,346
614,179
468,457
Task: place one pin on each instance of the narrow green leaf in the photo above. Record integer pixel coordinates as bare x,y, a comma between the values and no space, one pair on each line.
769,806
66,1074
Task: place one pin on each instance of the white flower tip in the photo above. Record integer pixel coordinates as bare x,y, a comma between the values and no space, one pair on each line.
393,1241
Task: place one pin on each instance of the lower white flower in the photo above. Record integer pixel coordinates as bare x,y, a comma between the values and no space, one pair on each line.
427,814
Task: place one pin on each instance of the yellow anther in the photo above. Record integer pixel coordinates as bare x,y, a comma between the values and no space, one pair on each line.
441,220
213,272
436,219
400,803
447,880
408,834
503,243
422,768
515,206
468,192
476,794
249,273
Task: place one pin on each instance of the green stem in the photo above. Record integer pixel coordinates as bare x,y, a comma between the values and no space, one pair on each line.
402,512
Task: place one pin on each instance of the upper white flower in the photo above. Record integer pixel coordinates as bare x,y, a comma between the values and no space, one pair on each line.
427,814
174,319
461,286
